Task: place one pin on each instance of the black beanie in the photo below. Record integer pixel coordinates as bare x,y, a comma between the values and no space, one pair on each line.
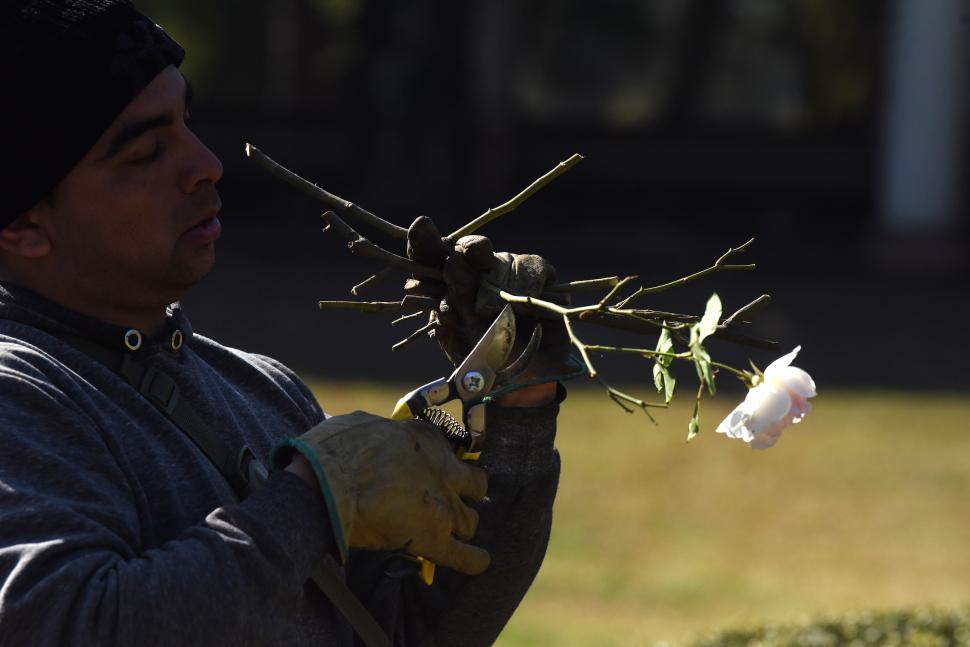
68,68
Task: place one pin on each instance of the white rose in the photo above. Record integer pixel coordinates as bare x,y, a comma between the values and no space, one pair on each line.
778,401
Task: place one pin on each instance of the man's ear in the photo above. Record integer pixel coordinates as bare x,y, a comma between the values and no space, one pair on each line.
27,236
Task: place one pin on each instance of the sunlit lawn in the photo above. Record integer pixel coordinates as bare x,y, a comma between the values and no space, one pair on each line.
865,505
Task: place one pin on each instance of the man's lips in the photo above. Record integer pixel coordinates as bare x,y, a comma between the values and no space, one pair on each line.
207,229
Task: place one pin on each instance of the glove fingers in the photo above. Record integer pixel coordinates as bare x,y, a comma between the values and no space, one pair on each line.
469,308
530,274
425,288
464,558
464,518
451,335
461,278
501,270
469,482
424,243
477,251
488,303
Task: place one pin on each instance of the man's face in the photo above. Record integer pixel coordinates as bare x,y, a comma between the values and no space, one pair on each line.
135,222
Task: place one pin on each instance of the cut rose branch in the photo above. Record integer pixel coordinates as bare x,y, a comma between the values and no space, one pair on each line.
777,397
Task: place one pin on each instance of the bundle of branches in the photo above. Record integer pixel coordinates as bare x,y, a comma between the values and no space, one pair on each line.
680,337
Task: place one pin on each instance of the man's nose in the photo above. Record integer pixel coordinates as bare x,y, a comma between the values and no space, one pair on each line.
201,165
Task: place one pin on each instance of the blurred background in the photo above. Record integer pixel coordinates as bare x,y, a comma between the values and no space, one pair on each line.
833,132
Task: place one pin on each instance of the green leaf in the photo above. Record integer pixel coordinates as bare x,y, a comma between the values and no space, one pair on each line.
669,384
693,428
698,333
664,380
702,362
662,377
665,345
712,315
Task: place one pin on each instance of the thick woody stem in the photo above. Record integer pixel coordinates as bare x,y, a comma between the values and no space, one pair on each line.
650,321
525,194
647,352
616,288
620,398
657,315
632,320
586,284
730,369
362,306
533,301
407,317
357,244
315,191
748,310
423,330
731,335
418,303
733,250
580,346
370,281
718,266
411,304
641,321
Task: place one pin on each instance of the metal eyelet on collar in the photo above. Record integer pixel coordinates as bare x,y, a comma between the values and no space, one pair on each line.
133,339
176,341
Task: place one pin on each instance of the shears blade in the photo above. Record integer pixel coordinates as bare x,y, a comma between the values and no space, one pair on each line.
475,376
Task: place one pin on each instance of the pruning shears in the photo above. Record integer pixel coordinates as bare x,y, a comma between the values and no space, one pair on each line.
474,379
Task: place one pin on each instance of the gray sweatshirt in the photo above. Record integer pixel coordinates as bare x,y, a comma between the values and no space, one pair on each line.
115,529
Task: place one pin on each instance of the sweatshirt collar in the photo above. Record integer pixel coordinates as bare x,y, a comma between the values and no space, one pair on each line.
23,305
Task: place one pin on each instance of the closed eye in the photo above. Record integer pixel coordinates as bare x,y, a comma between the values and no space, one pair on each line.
144,160
137,129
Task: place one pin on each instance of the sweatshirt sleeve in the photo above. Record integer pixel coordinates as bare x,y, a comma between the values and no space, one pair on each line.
73,572
514,526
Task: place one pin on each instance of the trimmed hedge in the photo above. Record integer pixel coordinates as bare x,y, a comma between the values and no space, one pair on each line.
906,628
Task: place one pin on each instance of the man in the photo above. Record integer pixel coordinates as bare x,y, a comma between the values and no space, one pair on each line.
133,510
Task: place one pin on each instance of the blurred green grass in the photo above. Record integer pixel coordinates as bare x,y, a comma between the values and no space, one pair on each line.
862,506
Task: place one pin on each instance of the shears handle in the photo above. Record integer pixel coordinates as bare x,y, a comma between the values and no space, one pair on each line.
408,407
432,393
412,405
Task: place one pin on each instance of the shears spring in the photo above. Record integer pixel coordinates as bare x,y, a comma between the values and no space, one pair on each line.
448,424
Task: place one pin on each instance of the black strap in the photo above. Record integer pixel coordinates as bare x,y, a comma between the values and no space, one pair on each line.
162,391
242,469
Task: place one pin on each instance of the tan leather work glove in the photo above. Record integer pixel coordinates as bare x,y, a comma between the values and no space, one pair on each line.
467,308
394,485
